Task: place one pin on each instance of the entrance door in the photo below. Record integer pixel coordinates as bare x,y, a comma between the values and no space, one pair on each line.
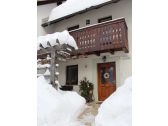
106,80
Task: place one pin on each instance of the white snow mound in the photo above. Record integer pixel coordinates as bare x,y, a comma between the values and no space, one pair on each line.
57,108
116,110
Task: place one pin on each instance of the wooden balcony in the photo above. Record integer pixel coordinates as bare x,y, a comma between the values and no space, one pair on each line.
109,36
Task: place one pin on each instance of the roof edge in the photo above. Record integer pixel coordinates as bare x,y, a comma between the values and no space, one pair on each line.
48,2
79,12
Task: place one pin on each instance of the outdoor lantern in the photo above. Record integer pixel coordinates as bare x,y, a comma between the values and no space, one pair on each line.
104,58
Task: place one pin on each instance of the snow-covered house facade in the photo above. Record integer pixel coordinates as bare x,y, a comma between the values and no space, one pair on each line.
102,30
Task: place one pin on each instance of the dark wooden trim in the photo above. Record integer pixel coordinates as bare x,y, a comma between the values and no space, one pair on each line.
79,12
104,19
48,2
71,83
73,27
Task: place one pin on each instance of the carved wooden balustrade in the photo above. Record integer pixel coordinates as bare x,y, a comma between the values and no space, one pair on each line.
109,36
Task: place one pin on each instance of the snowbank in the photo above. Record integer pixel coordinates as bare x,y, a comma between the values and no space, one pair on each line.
117,109
63,37
73,6
57,108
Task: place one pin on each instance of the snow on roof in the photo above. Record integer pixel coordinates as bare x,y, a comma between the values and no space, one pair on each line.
73,6
63,38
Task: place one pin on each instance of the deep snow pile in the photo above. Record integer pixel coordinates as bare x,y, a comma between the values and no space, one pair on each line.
73,6
117,109
57,108
63,38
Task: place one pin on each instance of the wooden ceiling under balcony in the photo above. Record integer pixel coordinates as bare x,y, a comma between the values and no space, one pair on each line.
109,36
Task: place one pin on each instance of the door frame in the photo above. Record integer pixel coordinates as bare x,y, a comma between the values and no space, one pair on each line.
98,78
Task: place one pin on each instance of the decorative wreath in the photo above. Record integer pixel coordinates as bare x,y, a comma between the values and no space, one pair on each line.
106,75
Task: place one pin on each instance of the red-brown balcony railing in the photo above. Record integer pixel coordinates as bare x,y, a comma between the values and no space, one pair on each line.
104,37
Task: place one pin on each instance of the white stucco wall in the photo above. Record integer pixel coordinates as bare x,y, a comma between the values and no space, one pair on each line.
87,67
123,61
43,11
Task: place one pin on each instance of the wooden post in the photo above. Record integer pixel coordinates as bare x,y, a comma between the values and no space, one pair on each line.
52,77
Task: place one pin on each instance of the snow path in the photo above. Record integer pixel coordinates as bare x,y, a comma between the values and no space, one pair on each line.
87,118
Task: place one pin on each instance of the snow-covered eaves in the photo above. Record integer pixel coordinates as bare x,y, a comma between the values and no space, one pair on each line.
51,40
73,7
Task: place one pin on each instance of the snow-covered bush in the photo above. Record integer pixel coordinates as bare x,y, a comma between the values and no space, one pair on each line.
86,89
116,110
57,108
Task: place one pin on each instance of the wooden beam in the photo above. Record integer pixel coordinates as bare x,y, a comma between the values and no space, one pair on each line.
97,53
56,48
57,41
48,43
41,45
125,50
52,68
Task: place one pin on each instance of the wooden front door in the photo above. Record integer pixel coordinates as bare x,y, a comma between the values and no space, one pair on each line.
106,80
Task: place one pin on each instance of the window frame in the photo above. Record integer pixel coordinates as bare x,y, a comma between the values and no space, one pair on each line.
69,82
104,19
87,21
73,27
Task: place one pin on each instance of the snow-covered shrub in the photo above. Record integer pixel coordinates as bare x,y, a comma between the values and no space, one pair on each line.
116,110
57,108
86,89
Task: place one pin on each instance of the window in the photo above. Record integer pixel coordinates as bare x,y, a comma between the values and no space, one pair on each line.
72,75
104,19
73,27
87,22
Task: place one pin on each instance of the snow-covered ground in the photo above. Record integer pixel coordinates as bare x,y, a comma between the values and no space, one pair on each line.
57,108
116,110
87,118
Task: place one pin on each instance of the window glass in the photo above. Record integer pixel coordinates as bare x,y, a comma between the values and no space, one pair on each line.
102,72
73,27
72,75
104,19
87,22
111,79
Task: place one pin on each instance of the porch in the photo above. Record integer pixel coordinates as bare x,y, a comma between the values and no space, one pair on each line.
95,42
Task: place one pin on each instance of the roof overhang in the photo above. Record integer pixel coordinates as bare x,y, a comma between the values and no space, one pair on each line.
43,2
79,12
